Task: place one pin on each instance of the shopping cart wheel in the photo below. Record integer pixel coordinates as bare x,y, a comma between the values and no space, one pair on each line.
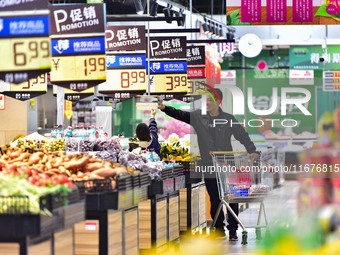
258,233
244,237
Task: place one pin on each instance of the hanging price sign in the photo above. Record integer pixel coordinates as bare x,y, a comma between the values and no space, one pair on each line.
78,63
25,47
27,90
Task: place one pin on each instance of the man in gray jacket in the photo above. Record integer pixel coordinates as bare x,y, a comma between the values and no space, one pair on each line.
215,138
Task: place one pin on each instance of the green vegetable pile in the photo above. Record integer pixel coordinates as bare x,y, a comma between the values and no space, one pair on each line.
17,185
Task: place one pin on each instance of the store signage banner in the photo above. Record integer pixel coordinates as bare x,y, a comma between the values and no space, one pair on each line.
125,61
77,18
196,72
228,77
302,10
276,10
282,12
74,46
301,77
168,47
125,38
314,57
23,5
30,89
196,55
330,81
251,10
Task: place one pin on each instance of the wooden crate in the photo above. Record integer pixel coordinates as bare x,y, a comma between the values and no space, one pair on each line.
145,224
115,232
87,237
131,232
173,218
63,242
183,205
202,205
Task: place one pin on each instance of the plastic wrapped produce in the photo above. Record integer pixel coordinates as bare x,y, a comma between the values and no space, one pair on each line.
86,145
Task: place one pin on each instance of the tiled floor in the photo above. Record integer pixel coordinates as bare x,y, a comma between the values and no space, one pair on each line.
282,203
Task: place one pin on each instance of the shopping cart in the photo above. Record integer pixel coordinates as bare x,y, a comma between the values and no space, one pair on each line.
239,180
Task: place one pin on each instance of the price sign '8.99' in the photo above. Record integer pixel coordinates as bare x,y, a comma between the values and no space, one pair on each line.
127,79
25,54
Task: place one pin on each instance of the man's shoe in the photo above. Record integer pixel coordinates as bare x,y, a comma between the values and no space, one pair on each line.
233,236
219,235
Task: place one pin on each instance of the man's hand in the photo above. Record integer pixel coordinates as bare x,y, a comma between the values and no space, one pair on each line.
153,113
253,156
161,106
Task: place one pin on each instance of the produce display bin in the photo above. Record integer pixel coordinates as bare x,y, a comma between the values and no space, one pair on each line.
109,214
161,187
22,232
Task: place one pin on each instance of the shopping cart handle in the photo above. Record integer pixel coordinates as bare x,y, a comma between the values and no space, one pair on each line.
227,152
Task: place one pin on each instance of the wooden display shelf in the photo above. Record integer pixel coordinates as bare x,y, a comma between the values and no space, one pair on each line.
89,235
153,224
131,232
173,207
193,208
63,242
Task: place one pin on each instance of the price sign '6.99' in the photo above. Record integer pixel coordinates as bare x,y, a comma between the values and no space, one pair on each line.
25,48
25,54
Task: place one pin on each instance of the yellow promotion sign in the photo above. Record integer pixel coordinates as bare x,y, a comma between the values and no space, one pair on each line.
68,110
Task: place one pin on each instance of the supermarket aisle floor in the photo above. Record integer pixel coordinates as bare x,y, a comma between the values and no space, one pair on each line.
281,204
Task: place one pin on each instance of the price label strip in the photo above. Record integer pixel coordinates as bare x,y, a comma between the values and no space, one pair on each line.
27,48
331,81
30,89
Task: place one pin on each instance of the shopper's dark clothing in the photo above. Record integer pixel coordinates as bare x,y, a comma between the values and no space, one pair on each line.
211,138
211,185
216,138
154,135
